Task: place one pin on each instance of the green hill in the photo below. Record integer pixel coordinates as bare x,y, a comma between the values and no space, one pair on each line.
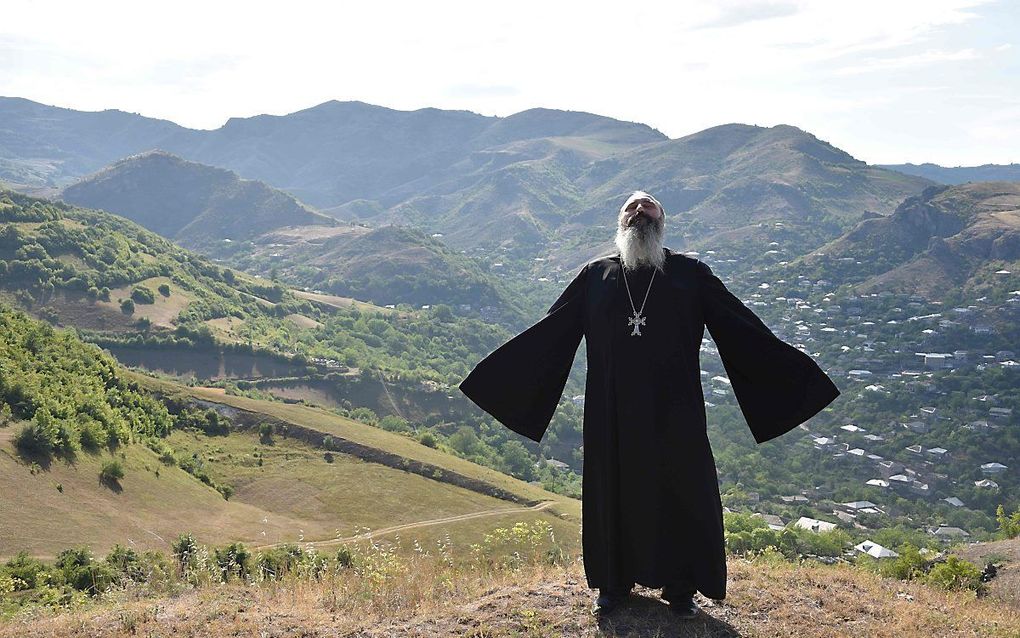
248,470
262,230
197,206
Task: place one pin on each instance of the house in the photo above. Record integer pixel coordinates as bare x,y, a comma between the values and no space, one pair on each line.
858,505
774,522
796,498
993,468
875,550
822,442
937,453
814,524
877,482
874,437
952,500
889,468
559,465
846,517
987,483
850,427
946,531
916,426
916,449
919,487
1000,413
978,425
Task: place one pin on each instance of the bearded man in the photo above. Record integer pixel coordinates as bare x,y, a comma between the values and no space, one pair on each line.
651,512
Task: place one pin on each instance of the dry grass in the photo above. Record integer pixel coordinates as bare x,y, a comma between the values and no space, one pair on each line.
426,597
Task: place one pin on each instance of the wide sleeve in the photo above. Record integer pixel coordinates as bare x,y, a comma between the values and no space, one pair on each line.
777,386
521,382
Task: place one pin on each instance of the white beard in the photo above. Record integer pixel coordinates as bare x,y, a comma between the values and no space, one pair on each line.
641,244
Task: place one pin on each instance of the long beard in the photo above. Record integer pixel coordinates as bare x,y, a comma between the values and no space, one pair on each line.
641,244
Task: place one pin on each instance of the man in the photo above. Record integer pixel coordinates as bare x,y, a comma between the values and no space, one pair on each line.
651,512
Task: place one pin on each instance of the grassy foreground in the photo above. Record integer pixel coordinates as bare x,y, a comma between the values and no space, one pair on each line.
423,592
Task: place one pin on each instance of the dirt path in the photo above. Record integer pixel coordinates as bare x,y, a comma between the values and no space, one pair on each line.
399,528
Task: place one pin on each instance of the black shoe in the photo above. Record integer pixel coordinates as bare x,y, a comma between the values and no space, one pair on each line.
609,600
684,607
681,603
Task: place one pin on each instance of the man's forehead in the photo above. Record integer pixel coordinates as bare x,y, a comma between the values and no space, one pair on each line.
641,197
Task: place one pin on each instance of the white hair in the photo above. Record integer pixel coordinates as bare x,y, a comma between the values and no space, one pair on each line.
641,244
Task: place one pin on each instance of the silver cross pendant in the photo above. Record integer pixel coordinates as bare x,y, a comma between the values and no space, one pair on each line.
637,321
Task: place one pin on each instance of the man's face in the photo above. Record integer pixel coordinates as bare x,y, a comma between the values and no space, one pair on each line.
641,210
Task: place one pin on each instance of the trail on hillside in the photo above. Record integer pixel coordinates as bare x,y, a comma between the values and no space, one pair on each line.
399,528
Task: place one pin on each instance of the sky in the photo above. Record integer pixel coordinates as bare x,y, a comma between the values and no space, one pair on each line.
889,81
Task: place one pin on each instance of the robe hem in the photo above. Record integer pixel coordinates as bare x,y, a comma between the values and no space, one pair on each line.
817,395
493,410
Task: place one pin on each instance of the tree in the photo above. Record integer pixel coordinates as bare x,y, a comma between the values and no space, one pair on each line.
465,441
517,459
127,306
164,289
1009,526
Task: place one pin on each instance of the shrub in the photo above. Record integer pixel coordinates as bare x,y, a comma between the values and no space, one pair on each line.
34,441
266,433
909,564
955,573
185,550
111,472
428,439
125,563
27,572
141,294
344,557
233,560
82,572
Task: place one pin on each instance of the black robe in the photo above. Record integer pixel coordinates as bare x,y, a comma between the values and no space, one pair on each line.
651,511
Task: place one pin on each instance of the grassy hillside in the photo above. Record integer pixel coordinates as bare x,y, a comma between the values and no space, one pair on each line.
262,230
948,240
248,471
83,265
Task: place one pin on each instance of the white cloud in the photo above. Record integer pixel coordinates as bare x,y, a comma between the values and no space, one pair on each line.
823,66
908,61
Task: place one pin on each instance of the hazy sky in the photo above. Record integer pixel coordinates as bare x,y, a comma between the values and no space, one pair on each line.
888,81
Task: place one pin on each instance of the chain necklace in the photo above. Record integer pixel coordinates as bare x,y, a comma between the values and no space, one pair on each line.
637,320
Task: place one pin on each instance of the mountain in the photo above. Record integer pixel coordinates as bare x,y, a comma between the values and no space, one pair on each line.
947,240
326,155
539,182
718,186
195,205
263,230
42,145
959,174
